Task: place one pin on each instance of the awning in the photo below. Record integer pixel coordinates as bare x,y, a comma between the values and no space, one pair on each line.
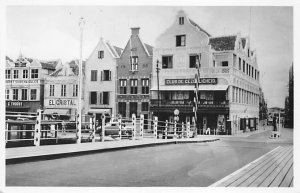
57,111
100,111
213,87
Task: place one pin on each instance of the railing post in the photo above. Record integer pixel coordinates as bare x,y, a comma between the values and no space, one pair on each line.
103,127
120,126
134,126
37,129
142,126
166,130
188,129
155,127
93,119
78,129
175,128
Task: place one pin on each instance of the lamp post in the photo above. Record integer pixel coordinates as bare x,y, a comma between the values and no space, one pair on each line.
157,71
81,26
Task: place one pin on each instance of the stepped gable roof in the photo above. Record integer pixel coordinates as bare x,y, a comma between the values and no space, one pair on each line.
223,43
150,49
198,27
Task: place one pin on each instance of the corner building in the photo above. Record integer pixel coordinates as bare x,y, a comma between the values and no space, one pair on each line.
134,77
228,92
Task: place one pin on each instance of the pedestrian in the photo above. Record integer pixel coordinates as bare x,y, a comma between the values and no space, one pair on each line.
274,123
207,132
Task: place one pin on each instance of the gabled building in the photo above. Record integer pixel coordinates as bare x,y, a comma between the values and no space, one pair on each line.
134,77
61,92
25,83
228,91
100,81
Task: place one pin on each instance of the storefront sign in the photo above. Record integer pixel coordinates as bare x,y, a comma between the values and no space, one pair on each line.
22,82
190,81
14,103
60,102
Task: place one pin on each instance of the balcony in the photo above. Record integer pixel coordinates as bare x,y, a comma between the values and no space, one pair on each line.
187,105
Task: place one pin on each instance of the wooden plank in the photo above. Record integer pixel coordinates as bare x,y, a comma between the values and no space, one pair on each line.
226,181
278,173
292,182
288,178
263,177
252,172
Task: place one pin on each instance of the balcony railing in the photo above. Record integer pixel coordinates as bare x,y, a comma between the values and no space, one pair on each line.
188,103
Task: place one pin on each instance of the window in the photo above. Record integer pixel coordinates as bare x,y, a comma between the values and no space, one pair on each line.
122,108
167,62
15,94
75,90
93,98
244,66
101,54
248,53
123,86
194,61
33,94
247,69
252,71
106,75
145,86
224,63
34,73
16,74
24,94
255,74
240,64
214,63
180,40
7,94
105,98
133,86
134,62
63,90
51,90
181,20
132,108
145,106
7,74
94,75
25,73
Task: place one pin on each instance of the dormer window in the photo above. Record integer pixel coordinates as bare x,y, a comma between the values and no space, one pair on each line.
181,20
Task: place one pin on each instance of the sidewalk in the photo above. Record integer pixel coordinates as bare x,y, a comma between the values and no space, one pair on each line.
33,153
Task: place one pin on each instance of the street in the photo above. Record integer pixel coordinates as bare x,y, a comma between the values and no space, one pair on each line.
176,165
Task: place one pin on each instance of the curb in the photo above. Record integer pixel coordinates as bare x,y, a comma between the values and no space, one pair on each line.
85,152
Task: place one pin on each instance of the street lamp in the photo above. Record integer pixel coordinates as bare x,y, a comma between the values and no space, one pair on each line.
81,26
157,71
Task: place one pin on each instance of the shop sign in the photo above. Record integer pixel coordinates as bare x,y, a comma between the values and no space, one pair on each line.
60,102
190,81
22,81
14,103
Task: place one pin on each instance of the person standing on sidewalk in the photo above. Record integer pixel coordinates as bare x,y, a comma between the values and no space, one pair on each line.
274,123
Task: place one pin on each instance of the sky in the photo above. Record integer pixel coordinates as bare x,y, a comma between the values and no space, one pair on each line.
52,32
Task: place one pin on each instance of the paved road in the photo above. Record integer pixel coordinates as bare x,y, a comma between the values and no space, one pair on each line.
176,165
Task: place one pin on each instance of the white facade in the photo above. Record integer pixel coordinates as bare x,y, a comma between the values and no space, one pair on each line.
100,82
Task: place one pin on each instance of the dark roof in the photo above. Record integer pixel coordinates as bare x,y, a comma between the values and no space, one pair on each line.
9,59
223,43
118,50
149,49
197,26
50,65
243,42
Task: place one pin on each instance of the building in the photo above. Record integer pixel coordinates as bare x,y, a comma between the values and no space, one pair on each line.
61,92
229,78
101,76
25,83
134,77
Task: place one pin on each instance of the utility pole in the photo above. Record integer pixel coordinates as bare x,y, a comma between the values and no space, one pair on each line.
157,71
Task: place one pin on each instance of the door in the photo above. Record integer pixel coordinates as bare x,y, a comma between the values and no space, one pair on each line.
204,123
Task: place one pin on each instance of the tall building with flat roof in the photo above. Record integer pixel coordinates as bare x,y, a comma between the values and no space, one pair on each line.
228,91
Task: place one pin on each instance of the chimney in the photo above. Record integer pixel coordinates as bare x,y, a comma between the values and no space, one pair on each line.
135,30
